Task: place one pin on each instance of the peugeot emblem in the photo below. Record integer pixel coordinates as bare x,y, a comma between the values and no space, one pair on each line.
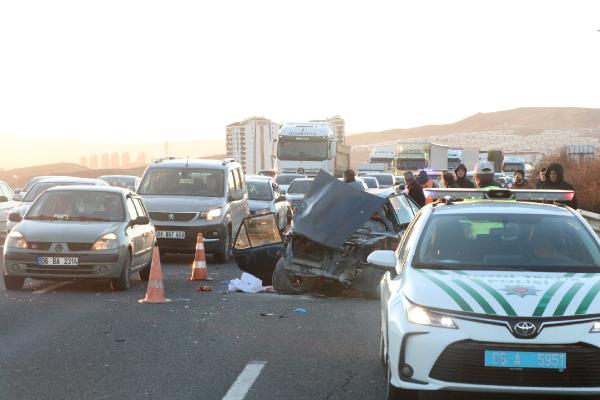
525,328
58,248
171,217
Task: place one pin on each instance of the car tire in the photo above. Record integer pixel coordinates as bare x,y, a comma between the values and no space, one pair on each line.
224,256
281,281
122,283
382,355
394,393
14,282
145,272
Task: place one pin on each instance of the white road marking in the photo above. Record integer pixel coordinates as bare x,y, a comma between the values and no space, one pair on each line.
52,287
245,380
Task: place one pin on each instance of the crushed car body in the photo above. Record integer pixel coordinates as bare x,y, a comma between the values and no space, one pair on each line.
329,242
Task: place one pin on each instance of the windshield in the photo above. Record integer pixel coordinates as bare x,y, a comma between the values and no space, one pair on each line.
43,186
411,164
259,191
308,150
512,167
121,181
299,187
78,205
371,182
403,210
384,180
286,179
507,242
183,182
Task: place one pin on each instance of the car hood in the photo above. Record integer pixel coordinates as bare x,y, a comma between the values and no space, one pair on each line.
334,211
64,231
505,293
256,205
182,203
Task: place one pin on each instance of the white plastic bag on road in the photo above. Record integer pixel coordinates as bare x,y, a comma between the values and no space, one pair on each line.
247,283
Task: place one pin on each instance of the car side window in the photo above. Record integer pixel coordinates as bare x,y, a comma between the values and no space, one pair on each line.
139,207
403,249
231,184
240,179
131,209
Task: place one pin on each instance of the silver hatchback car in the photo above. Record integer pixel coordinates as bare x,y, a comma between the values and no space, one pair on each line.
81,232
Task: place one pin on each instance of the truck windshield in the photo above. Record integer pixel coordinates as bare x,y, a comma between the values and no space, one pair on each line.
300,150
411,164
183,182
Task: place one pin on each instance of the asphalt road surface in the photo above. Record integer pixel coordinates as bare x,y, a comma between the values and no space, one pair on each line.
79,340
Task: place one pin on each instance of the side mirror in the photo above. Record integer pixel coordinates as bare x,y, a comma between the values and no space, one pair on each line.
383,259
143,220
3,199
280,199
17,197
15,217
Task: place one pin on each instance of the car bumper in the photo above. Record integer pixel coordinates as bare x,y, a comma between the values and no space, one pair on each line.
453,359
214,236
96,265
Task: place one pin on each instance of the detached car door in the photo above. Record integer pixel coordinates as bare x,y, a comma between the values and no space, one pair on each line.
258,246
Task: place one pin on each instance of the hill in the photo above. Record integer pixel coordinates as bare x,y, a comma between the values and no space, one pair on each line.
522,121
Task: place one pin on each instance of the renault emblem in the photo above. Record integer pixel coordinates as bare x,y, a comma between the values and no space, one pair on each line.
58,248
525,329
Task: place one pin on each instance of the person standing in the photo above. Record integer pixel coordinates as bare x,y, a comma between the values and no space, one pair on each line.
413,189
484,176
541,178
350,178
520,181
555,181
461,178
423,180
449,181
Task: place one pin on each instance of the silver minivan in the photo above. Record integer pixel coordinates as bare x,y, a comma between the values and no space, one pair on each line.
189,196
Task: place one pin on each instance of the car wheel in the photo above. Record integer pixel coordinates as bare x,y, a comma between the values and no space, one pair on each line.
145,272
14,282
224,256
382,355
394,393
282,283
122,283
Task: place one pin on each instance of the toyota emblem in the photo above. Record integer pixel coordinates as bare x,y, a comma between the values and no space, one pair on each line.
525,329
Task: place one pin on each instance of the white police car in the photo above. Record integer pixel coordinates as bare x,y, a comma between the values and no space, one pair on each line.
496,294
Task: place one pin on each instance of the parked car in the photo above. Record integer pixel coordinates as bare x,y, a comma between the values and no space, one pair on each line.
186,197
385,180
370,181
81,232
328,245
264,197
124,181
7,202
284,181
41,185
295,193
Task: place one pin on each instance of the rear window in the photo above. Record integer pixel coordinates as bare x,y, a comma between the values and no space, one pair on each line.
384,180
78,205
40,187
183,182
260,191
299,187
507,242
371,182
286,179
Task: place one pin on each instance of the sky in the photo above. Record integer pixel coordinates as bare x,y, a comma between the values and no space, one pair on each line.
131,71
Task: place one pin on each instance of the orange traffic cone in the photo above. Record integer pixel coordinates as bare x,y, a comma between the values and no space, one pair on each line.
156,290
199,270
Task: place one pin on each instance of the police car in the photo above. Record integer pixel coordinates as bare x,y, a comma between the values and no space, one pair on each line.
492,291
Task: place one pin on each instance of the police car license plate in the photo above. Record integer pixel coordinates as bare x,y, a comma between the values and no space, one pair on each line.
525,359
58,261
170,235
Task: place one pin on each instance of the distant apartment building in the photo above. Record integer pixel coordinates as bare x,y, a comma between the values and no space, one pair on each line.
251,143
339,126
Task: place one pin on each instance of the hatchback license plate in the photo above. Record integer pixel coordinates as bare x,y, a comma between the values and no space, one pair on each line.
58,261
170,235
525,359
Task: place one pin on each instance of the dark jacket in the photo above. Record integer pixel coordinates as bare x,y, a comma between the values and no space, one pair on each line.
415,192
523,185
560,183
463,182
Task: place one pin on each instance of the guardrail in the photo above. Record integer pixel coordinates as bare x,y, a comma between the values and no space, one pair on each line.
592,218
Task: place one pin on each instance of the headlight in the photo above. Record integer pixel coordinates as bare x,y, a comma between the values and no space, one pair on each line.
106,242
422,316
212,214
595,327
16,240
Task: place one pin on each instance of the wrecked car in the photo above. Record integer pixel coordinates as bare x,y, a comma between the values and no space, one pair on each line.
326,250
